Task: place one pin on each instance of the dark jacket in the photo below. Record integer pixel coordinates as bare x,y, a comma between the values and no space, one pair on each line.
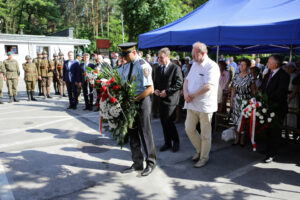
73,71
171,81
82,77
277,91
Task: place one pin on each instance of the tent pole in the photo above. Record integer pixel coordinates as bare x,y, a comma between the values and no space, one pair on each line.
291,53
217,56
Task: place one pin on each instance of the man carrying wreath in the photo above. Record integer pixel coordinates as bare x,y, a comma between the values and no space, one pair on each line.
138,71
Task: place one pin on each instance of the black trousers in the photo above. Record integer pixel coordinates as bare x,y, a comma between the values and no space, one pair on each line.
72,93
167,114
274,137
142,133
87,94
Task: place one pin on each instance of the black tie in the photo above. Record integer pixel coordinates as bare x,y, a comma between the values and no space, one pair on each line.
163,70
130,71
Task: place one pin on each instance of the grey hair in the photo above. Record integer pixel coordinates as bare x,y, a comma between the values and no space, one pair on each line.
201,46
165,50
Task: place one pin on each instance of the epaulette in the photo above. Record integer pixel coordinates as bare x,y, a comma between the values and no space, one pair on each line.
142,61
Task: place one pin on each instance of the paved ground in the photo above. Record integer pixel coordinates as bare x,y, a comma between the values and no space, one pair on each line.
47,152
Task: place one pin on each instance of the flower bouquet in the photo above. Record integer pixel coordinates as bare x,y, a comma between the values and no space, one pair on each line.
117,103
255,116
91,75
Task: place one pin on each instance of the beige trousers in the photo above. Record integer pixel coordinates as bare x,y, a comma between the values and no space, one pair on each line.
202,143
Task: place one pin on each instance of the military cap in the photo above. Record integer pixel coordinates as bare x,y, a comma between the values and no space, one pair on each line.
45,52
9,53
126,48
27,57
54,55
39,53
79,55
60,54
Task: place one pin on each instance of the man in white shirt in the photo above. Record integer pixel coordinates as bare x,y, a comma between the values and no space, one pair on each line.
201,94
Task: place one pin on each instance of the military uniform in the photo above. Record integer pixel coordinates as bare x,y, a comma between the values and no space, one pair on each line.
45,70
30,77
12,75
139,72
36,61
2,74
55,78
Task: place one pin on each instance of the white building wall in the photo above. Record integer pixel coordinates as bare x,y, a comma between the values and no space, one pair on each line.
30,49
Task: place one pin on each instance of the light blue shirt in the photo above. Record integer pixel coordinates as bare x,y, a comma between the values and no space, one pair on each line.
234,65
141,74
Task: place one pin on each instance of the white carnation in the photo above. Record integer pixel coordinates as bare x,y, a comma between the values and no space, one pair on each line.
257,114
269,120
261,121
272,114
264,110
115,110
261,117
228,104
244,102
112,125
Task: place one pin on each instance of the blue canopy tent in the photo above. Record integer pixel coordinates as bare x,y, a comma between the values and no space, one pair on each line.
233,26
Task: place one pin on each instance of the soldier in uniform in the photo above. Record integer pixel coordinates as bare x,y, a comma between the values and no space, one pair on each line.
45,70
2,75
55,75
36,62
11,76
30,77
59,72
139,72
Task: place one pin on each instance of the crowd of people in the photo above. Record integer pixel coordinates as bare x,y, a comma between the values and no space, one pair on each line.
169,88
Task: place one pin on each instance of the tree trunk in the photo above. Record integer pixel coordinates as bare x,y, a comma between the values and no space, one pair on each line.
101,19
92,18
96,18
107,18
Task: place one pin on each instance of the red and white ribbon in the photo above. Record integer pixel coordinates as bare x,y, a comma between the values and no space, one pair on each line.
251,108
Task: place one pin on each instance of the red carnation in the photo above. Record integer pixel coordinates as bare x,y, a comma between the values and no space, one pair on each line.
112,100
104,97
115,87
95,71
98,81
112,79
84,74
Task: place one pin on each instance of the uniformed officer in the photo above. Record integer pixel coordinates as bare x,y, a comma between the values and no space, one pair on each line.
11,77
139,72
59,72
55,75
36,61
30,77
2,75
45,70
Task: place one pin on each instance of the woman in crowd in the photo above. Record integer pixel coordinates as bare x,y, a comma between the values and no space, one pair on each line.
242,88
223,86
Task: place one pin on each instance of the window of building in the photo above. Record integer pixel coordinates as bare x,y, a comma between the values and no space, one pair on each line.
12,48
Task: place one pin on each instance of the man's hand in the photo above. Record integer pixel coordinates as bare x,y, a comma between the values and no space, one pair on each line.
5,79
79,84
157,92
187,97
40,78
76,83
163,94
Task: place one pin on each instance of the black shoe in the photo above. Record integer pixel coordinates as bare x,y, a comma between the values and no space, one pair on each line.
148,170
70,107
165,147
41,94
268,159
57,93
15,99
86,108
132,169
74,107
49,97
64,95
234,144
175,147
242,145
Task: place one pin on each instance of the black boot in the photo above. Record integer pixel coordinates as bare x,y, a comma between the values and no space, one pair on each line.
10,99
32,98
28,95
15,99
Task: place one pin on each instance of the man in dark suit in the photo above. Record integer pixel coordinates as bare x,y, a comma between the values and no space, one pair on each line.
87,87
167,85
71,76
275,85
